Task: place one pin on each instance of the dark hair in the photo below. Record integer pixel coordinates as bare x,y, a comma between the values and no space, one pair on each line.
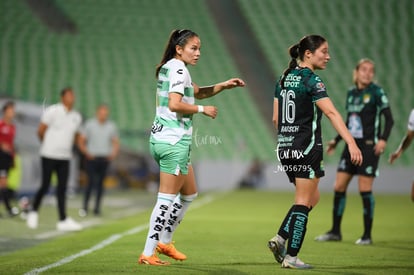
309,42
65,90
7,105
177,37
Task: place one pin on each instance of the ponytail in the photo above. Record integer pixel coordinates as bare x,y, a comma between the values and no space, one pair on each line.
294,54
177,37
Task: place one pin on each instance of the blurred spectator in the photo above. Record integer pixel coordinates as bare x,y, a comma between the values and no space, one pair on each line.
99,142
254,177
58,129
7,135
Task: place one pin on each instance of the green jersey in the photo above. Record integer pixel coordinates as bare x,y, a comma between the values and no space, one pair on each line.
299,128
172,127
364,108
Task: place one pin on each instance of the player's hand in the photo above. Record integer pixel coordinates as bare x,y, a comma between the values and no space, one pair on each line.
355,154
379,147
210,111
233,83
331,147
3,183
394,156
89,156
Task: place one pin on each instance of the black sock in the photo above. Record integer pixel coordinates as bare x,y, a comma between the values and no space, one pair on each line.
368,203
338,211
284,227
297,229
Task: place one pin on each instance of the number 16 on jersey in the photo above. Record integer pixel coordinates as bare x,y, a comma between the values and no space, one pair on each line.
288,106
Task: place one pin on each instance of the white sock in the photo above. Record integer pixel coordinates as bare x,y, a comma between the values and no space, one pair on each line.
157,222
175,216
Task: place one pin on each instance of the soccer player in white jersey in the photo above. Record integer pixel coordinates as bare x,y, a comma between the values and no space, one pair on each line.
406,141
170,141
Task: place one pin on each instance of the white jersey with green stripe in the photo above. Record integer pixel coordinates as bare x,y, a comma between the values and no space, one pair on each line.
171,127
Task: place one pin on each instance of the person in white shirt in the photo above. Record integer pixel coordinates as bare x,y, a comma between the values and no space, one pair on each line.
99,143
406,141
58,129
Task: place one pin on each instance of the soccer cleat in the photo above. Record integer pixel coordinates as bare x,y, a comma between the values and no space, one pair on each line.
151,260
278,249
294,263
82,213
364,241
329,236
32,220
170,251
68,225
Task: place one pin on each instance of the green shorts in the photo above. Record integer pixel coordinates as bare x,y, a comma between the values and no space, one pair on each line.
172,159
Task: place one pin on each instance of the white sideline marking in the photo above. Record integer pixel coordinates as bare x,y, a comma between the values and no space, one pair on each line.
109,241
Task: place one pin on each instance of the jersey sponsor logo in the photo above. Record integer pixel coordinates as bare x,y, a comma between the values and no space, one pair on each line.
180,71
156,127
164,71
292,81
292,77
320,87
367,98
179,82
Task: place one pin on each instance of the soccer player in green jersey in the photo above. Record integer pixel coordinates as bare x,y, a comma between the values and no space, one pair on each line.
365,104
170,141
300,100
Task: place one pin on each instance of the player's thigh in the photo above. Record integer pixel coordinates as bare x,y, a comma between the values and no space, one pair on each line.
189,186
170,183
365,183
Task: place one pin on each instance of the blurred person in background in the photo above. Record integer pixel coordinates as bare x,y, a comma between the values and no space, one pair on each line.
99,143
170,141
366,102
7,136
406,141
58,129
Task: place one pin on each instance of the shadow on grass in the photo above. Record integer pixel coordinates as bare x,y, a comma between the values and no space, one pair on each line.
217,268
398,245
364,269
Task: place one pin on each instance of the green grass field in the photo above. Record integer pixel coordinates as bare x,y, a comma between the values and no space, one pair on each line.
223,233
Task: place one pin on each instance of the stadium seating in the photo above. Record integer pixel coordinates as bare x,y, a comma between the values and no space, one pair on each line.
112,59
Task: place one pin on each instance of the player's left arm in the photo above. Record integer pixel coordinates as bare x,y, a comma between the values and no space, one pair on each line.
389,122
209,91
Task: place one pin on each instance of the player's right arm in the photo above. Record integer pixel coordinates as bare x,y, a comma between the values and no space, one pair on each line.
403,145
176,105
275,118
326,106
406,140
